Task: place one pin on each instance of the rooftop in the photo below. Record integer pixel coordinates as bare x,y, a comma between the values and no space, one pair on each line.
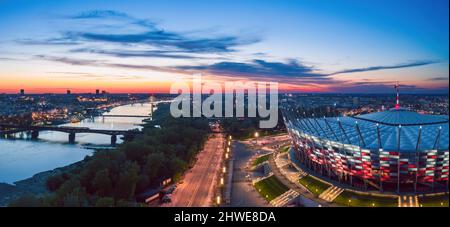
399,130
402,117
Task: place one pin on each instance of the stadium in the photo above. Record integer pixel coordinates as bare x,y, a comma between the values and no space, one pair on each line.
397,150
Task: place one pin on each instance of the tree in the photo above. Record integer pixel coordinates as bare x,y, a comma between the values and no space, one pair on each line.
105,202
101,183
54,182
27,200
126,185
76,198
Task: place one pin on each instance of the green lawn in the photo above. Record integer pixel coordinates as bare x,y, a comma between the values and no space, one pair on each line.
285,149
270,188
434,200
261,159
353,199
313,185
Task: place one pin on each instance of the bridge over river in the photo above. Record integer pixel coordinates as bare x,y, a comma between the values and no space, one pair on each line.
6,129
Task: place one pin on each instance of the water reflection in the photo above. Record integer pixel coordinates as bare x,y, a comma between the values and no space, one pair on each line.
22,158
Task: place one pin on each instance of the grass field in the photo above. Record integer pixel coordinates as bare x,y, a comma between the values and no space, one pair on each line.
353,199
270,188
434,200
313,185
261,159
285,149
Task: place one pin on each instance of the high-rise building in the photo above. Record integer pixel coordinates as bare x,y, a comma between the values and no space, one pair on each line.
97,92
22,92
68,92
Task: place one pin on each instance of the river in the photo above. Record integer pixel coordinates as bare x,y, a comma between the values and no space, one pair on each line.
22,158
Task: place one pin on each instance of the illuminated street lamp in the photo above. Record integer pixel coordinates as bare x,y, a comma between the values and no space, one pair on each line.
256,137
224,170
218,200
229,137
226,155
221,181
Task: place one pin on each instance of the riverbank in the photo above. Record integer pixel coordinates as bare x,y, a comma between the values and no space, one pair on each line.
35,185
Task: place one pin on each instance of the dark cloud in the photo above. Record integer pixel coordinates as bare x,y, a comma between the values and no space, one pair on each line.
8,59
136,53
383,87
83,62
67,60
112,14
99,14
259,68
51,41
64,75
439,78
374,68
162,43
169,41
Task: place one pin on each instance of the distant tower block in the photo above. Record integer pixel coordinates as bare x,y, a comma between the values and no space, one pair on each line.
397,103
22,91
97,91
69,92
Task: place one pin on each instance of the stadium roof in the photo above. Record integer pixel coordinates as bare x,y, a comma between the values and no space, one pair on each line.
403,117
399,130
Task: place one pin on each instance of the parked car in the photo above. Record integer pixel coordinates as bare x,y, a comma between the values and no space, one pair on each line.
171,189
166,199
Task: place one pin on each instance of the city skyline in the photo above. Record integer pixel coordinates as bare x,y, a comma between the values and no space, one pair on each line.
143,47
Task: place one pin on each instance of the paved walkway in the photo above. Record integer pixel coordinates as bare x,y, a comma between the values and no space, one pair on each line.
331,193
408,201
243,194
284,198
294,185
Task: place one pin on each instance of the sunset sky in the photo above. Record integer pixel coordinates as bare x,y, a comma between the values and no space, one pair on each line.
144,46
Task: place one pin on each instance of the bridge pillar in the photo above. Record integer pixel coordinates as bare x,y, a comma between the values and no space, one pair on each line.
72,137
113,140
34,134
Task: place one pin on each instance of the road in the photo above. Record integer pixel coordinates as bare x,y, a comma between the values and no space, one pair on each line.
197,189
243,193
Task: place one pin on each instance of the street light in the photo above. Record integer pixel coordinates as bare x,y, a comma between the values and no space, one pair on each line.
224,170
256,137
221,181
218,200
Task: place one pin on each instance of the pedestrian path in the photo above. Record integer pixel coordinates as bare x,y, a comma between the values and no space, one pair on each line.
284,198
258,179
331,193
408,201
